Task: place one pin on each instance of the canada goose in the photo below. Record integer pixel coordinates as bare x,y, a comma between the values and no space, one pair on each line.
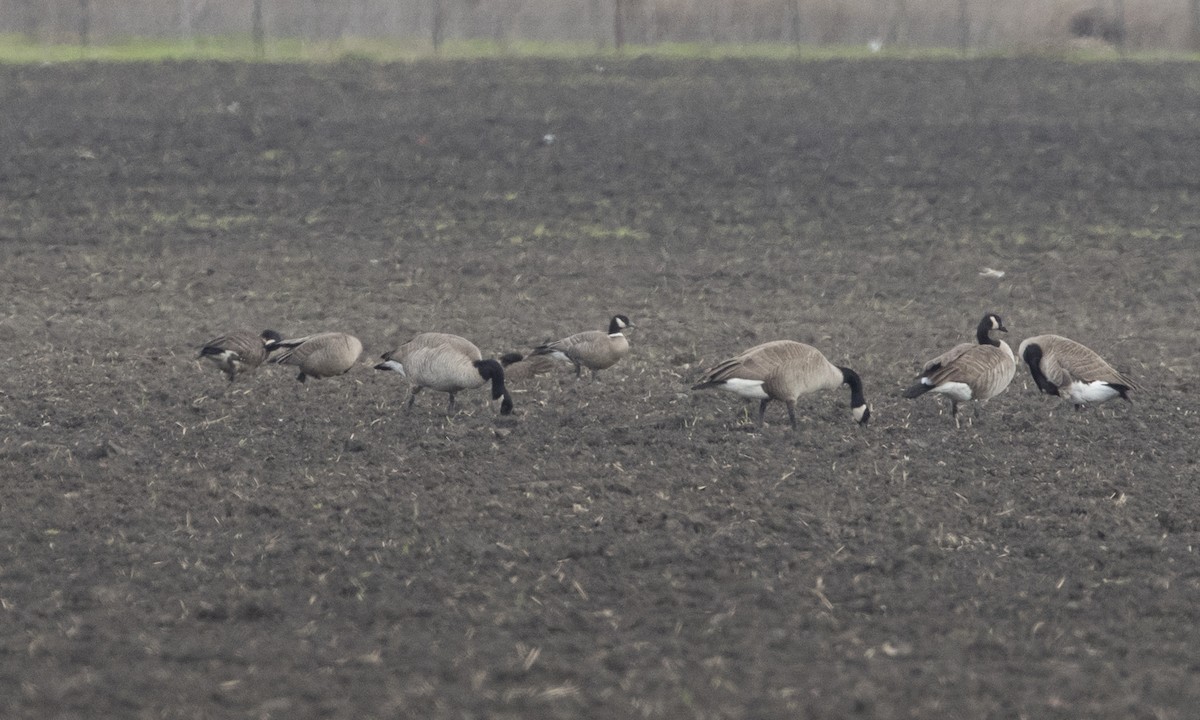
518,367
319,356
1060,366
784,370
969,371
239,352
446,363
594,349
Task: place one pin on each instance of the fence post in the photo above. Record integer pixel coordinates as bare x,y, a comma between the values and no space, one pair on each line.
1194,6
85,22
964,26
29,20
619,24
1119,21
794,7
439,23
258,34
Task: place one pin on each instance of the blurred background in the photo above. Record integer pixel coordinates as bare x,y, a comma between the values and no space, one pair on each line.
965,25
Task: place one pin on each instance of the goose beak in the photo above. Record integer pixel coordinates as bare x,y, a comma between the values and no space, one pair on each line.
391,365
1002,329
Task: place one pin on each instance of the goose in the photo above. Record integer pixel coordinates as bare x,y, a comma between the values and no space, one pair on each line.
784,370
518,367
319,356
969,371
1062,367
446,363
594,349
239,352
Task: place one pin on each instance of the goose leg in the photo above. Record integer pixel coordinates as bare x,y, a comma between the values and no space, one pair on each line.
413,397
450,405
762,409
954,413
791,406
301,377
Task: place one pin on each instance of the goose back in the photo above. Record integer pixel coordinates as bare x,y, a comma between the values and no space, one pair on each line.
786,370
321,355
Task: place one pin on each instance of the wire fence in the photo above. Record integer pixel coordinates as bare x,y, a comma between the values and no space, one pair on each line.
969,25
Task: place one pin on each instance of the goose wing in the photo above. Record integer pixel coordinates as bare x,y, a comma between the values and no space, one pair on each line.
946,358
247,345
986,369
1072,361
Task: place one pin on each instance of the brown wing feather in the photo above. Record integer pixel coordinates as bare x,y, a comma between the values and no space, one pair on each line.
247,344
986,369
786,368
1070,361
947,357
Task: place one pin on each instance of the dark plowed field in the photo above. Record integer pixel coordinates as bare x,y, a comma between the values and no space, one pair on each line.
173,546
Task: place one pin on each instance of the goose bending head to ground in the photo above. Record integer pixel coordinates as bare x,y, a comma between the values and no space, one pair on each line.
319,356
1062,367
593,349
969,371
784,370
239,352
446,363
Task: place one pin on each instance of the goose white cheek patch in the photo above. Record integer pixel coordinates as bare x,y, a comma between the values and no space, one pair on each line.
390,365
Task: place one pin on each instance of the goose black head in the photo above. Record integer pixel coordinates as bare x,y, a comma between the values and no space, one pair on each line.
990,322
494,371
271,340
858,402
619,323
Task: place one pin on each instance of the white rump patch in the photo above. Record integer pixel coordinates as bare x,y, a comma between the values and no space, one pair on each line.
960,392
746,388
1082,393
393,366
560,355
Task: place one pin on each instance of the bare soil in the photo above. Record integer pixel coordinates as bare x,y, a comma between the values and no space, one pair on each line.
178,547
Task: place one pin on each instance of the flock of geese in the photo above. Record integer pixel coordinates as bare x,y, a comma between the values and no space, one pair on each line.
781,370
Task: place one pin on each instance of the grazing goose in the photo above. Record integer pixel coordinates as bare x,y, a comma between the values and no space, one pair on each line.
969,371
518,368
1060,366
239,352
319,356
594,349
784,370
446,363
